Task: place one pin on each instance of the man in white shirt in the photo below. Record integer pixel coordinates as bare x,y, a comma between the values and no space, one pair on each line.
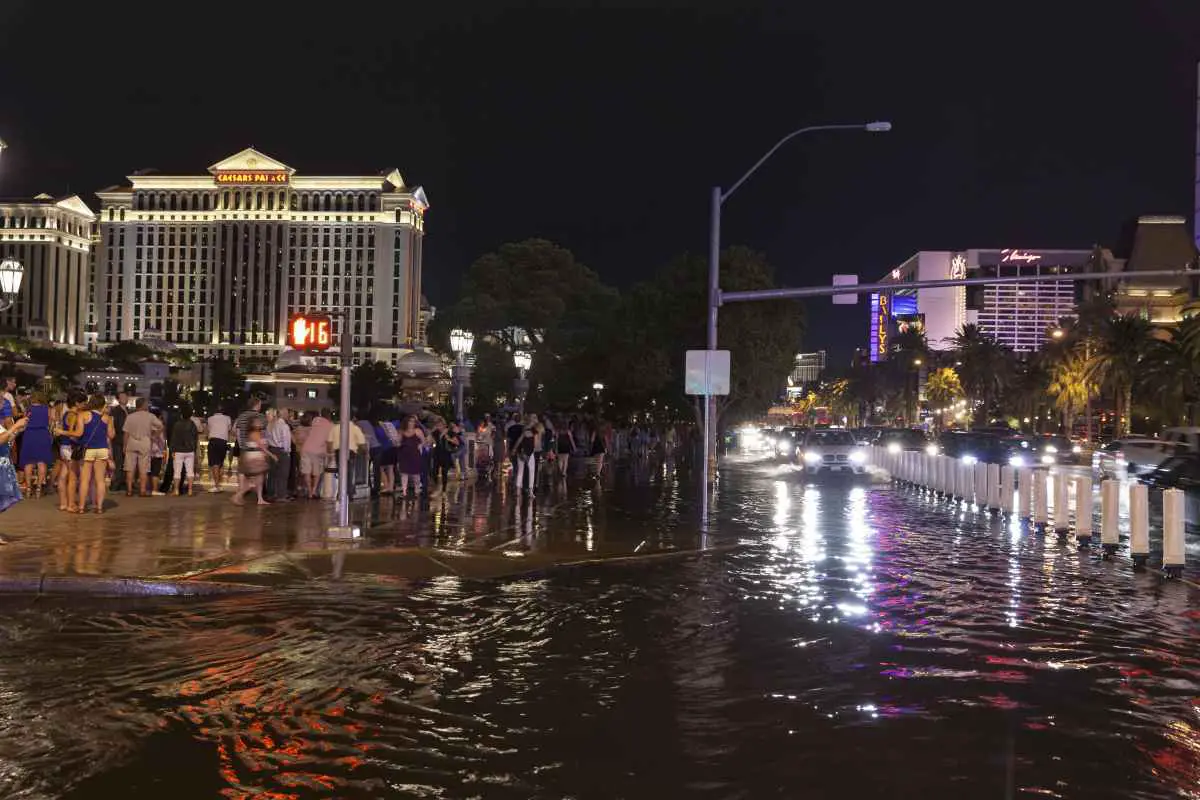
358,444
218,426
279,442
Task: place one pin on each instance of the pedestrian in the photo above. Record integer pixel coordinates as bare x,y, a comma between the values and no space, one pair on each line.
459,433
313,454
37,444
408,456
251,417
254,461
599,447
93,430
389,440
10,492
184,438
279,443
158,457
358,447
485,437
525,461
564,448
445,444
119,413
67,469
374,453
140,428
219,426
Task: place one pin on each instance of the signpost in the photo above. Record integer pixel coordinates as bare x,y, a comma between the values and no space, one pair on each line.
312,333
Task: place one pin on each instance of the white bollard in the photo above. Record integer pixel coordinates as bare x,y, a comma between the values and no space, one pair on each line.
1139,523
962,489
1041,500
943,469
1062,505
1174,554
1110,516
1024,494
994,494
1083,511
1008,479
981,484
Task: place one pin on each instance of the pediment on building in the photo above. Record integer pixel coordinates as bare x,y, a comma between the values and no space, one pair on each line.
395,179
250,160
76,205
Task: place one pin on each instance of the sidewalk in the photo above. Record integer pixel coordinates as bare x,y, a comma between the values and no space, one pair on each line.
181,536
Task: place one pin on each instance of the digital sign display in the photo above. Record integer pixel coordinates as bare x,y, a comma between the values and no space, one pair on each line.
251,177
904,305
881,313
312,332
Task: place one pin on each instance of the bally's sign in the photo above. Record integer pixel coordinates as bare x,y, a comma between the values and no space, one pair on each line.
251,176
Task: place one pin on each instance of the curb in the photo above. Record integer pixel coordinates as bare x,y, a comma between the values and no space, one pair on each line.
118,587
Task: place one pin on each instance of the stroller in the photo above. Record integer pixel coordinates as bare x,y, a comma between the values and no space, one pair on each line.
485,465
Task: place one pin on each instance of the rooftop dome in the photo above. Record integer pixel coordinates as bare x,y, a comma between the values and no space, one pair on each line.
293,358
420,363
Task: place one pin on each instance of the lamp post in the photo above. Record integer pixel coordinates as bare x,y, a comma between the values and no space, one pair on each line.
522,360
11,273
461,342
719,196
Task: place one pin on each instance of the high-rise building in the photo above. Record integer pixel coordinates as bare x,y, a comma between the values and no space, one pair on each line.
216,263
52,238
806,372
1018,314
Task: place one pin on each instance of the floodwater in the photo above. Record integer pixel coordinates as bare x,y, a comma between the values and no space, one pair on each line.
865,642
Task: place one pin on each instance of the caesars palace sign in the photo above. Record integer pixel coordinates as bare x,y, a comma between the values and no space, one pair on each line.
251,177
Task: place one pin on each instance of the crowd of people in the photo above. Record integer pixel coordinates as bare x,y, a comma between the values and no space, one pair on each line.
84,447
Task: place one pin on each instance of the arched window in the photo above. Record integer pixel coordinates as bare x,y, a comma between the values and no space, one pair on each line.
304,203
270,201
185,202
362,203
258,201
224,200
374,201
207,201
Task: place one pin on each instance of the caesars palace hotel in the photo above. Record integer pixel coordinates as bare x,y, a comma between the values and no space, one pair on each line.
216,263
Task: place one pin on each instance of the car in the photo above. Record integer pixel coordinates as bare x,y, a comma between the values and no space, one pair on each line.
1175,441
1175,472
898,440
833,450
1050,449
1109,460
788,440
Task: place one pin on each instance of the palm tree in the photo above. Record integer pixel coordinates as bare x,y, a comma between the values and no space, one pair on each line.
942,388
985,365
1071,386
1122,343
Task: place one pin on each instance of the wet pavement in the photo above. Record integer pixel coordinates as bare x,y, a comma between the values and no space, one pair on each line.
863,642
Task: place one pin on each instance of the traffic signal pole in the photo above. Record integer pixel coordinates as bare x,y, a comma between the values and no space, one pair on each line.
343,503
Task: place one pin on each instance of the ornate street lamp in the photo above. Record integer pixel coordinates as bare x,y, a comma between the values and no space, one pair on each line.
522,360
461,342
11,273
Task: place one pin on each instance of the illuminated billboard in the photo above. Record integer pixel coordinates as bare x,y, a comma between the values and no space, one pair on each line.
881,312
257,177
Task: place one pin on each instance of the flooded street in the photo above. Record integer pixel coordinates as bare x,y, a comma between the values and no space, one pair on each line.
864,642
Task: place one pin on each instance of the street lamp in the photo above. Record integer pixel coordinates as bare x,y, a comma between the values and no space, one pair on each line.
11,273
599,387
461,342
522,360
719,196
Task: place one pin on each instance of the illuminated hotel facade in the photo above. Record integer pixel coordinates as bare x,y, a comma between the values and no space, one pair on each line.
1019,315
52,238
217,263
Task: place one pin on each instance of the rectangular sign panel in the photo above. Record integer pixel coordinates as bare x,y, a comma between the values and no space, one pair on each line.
256,177
845,299
881,315
706,372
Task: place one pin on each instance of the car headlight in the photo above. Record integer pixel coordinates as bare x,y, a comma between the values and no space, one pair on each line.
1051,449
970,460
1047,459
1016,461
811,457
858,457
931,450
1077,449
893,447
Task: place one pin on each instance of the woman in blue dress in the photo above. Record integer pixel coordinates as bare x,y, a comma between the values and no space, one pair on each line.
37,444
10,493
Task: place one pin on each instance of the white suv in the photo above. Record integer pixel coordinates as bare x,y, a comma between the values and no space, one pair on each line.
833,450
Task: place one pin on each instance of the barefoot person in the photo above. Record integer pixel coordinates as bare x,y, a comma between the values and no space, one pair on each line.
10,493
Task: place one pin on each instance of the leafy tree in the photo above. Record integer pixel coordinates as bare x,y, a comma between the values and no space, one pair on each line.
985,366
1122,344
372,383
664,317
1071,386
59,361
228,385
128,353
942,388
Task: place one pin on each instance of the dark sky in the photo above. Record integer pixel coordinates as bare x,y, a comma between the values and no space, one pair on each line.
602,127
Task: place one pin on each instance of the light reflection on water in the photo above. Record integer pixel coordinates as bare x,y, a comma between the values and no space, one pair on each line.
869,642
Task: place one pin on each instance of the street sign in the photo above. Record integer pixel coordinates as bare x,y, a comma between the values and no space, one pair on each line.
706,372
312,332
845,299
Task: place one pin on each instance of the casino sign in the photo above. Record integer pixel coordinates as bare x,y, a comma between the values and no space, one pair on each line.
247,177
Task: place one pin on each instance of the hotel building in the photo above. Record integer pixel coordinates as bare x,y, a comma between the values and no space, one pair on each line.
52,238
1017,314
216,263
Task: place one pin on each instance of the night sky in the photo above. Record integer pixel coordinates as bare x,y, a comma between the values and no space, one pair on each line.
1015,125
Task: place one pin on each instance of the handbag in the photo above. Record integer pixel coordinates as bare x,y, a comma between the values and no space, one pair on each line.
79,448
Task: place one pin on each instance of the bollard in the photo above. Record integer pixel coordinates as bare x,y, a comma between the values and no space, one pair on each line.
993,494
1008,479
1110,517
1024,494
962,486
1083,511
1062,505
981,484
1139,524
943,469
1041,501
1173,523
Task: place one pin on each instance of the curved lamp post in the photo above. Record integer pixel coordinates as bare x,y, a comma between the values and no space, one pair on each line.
461,342
11,273
522,360
719,196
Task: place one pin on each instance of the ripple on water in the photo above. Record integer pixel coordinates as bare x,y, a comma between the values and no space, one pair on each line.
866,643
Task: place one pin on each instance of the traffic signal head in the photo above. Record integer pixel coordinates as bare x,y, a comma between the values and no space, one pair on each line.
312,332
